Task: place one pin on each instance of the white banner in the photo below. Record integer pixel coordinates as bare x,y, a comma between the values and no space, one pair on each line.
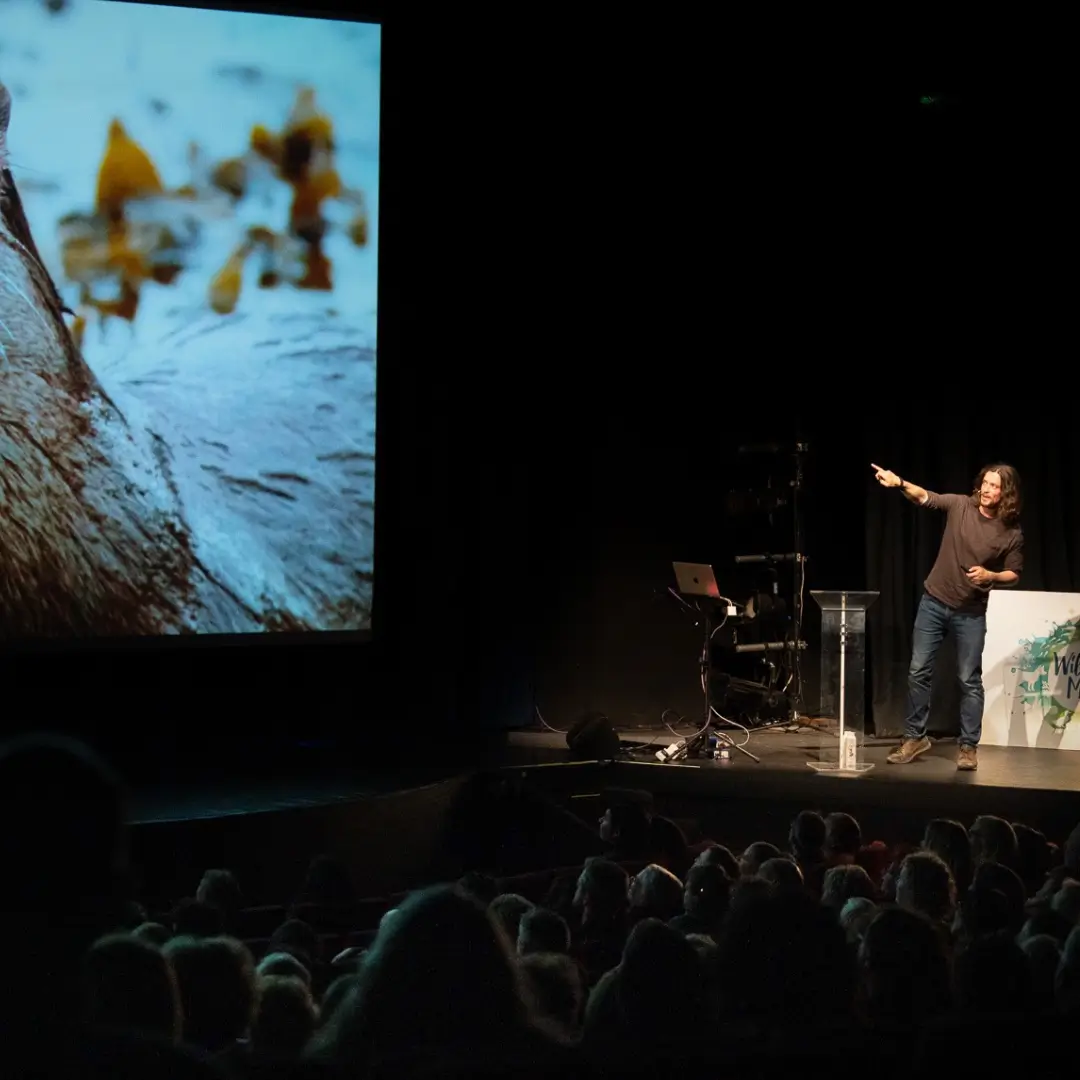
1031,670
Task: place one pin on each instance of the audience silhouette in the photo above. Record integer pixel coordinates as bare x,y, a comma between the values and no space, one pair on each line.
656,957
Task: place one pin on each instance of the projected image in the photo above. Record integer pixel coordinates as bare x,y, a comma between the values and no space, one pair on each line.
188,304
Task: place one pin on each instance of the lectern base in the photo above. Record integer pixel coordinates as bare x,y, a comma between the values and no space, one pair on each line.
836,769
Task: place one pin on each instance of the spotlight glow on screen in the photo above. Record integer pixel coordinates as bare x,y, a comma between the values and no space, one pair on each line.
187,421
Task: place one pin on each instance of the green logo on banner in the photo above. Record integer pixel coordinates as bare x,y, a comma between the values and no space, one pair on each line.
1050,673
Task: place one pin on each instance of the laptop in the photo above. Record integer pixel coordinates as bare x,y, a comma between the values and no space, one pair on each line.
696,579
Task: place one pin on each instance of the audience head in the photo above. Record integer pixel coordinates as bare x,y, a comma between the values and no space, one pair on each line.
152,932
470,995
948,840
286,1018
842,883
749,891
667,845
993,839
655,892
220,889
283,964
755,855
843,837
707,894
59,856
602,891
905,970
129,984
625,825
783,955
662,983
63,846
855,916
806,837
542,931
718,855
925,885
216,977
782,874
997,876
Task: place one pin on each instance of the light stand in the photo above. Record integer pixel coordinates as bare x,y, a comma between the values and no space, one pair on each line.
697,580
695,742
706,669
706,681
801,449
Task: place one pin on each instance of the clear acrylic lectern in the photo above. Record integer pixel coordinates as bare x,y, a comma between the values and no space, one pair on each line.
843,681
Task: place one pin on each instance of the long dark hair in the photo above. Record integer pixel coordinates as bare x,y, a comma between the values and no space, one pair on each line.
1009,507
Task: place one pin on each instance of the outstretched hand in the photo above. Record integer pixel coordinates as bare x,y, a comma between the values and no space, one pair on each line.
885,478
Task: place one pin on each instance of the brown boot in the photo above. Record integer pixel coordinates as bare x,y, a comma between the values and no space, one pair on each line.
968,759
908,751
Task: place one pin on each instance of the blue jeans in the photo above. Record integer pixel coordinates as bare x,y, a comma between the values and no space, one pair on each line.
969,632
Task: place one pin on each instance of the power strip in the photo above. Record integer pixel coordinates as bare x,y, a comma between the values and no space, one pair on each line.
673,752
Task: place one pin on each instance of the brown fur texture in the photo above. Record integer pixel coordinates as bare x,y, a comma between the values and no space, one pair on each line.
88,546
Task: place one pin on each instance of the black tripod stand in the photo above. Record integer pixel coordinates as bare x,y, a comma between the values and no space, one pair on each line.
698,581
711,715
801,449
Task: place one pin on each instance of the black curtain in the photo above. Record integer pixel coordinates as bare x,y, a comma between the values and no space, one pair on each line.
943,449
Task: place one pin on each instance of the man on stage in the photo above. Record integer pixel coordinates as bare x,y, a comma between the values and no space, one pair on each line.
982,548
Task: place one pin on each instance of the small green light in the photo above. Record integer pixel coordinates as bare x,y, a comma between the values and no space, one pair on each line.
928,99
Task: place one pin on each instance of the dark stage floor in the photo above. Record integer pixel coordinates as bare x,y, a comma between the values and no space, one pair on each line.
785,751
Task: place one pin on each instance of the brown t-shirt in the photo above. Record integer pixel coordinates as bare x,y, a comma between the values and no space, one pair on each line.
970,539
